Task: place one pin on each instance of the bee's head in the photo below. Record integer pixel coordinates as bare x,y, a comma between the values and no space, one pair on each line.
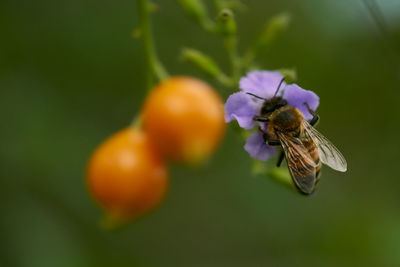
270,105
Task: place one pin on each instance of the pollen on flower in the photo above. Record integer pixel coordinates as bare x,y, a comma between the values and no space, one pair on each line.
242,107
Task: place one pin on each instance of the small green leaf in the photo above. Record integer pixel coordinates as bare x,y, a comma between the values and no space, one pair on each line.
282,176
268,169
272,29
197,11
259,167
201,61
245,133
290,75
205,64
268,34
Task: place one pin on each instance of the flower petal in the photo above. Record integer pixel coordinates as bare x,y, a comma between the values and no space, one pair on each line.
257,148
296,97
261,83
242,108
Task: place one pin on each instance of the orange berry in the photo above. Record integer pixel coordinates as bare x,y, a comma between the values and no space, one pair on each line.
184,118
126,176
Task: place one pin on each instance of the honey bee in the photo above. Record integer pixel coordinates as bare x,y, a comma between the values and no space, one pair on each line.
303,147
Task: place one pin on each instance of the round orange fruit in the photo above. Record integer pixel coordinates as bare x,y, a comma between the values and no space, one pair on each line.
126,176
184,118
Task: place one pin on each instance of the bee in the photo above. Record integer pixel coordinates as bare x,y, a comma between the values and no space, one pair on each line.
303,147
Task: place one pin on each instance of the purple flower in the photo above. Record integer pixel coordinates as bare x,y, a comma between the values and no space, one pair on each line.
243,107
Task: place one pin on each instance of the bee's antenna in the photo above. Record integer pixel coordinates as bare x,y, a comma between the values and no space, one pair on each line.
279,86
259,97
277,90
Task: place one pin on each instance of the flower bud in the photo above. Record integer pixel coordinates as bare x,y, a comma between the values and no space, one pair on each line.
197,11
273,28
226,23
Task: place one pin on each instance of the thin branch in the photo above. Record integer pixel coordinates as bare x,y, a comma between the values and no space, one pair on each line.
154,66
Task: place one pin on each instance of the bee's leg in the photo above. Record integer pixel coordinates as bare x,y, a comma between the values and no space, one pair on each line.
267,138
274,142
260,119
280,159
315,118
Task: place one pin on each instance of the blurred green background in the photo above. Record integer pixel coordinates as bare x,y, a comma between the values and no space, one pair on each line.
71,75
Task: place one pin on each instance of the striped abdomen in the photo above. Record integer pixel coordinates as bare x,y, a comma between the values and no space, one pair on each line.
315,169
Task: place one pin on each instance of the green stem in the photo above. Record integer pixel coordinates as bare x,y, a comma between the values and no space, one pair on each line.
154,66
248,58
231,48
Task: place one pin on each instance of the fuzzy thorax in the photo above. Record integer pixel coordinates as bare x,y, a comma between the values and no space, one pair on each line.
286,120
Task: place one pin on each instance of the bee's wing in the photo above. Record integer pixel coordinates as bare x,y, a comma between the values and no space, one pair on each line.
301,165
328,153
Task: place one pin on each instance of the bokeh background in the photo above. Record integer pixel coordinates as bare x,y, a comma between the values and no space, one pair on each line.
71,75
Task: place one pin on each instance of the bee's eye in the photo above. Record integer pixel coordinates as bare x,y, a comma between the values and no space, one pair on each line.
282,103
267,109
